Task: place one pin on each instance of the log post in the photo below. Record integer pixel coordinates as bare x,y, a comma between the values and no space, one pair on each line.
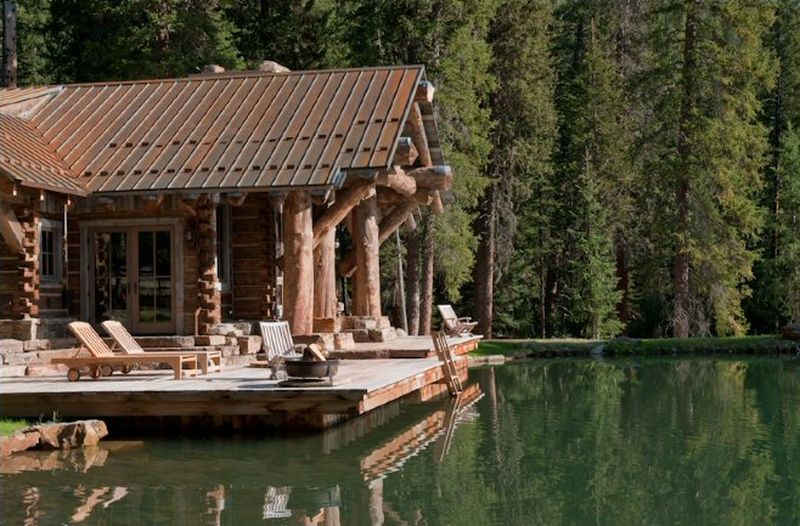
209,299
367,285
28,284
298,262
387,227
325,276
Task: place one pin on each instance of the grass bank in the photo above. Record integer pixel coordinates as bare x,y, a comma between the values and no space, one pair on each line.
648,347
7,427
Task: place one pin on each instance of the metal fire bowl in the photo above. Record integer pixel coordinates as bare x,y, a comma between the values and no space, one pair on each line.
311,368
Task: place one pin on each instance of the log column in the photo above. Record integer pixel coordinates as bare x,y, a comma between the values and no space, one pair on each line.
298,262
209,299
27,304
325,276
367,281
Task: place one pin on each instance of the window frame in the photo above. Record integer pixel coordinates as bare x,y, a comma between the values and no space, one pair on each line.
57,229
223,246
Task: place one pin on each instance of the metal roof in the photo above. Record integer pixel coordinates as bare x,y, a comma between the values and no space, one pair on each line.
27,159
232,131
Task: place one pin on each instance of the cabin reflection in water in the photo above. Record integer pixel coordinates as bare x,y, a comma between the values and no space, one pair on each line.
332,478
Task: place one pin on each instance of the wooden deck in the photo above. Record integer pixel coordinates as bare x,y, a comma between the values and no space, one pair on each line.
408,347
238,393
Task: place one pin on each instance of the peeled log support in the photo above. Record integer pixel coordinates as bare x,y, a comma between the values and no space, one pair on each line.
325,276
396,179
388,226
405,154
367,282
298,262
415,129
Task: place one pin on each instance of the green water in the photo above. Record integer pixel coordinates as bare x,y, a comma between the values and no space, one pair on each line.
695,442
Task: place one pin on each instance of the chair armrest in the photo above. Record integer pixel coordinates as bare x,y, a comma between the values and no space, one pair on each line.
465,318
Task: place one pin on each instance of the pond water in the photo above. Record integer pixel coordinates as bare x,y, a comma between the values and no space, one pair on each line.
697,441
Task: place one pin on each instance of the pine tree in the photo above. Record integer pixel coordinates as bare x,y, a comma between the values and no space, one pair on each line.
787,228
706,150
295,33
515,214
597,162
97,40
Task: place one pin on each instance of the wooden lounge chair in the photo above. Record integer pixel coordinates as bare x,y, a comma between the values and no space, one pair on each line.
102,360
278,343
209,361
455,326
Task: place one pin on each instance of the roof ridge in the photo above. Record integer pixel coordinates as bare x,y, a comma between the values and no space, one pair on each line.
232,74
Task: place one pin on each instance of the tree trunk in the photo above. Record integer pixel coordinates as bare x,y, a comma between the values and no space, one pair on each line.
484,266
325,276
680,317
623,285
426,304
367,279
412,282
10,43
298,262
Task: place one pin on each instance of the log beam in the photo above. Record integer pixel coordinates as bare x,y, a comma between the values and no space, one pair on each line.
346,200
433,177
10,228
405,154
298,268
396,179
325,276
425,91
367,285
415,129
437,206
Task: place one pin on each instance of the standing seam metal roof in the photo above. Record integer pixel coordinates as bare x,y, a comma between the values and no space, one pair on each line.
232,131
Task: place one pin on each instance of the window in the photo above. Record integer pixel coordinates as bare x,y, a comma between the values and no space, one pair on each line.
50,250
224,246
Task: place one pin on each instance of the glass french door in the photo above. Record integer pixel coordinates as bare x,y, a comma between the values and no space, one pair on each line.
134,280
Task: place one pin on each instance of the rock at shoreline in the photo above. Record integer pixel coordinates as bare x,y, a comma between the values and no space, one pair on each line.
82,433
791,331
19,441
72,434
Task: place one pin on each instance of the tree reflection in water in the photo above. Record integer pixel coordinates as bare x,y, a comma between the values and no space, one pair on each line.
670,441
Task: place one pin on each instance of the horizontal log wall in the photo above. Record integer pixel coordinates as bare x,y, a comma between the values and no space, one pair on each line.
252,256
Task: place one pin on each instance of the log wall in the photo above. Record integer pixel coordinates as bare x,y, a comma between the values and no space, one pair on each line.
253,244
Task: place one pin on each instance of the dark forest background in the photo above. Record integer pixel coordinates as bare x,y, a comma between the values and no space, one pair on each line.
622,166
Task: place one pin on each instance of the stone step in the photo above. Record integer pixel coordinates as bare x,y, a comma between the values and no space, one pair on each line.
9,345
10,371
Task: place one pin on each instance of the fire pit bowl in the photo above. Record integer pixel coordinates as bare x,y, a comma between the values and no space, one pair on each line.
311,368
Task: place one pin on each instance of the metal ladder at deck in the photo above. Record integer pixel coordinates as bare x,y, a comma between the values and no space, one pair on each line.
445,355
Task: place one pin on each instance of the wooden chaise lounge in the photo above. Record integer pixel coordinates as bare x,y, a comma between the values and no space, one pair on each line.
209,361
102,360
455,326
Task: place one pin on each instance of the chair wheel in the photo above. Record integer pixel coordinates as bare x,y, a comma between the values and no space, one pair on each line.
106,370
73,375
95,372
126,369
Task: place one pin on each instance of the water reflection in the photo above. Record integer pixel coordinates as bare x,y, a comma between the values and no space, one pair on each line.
560,442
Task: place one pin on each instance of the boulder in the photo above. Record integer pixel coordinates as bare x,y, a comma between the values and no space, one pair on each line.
71,434
791,331
19,441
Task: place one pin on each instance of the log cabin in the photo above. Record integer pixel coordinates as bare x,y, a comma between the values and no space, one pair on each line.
174,205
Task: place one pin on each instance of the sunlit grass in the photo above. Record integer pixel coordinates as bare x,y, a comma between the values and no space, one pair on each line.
8,427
